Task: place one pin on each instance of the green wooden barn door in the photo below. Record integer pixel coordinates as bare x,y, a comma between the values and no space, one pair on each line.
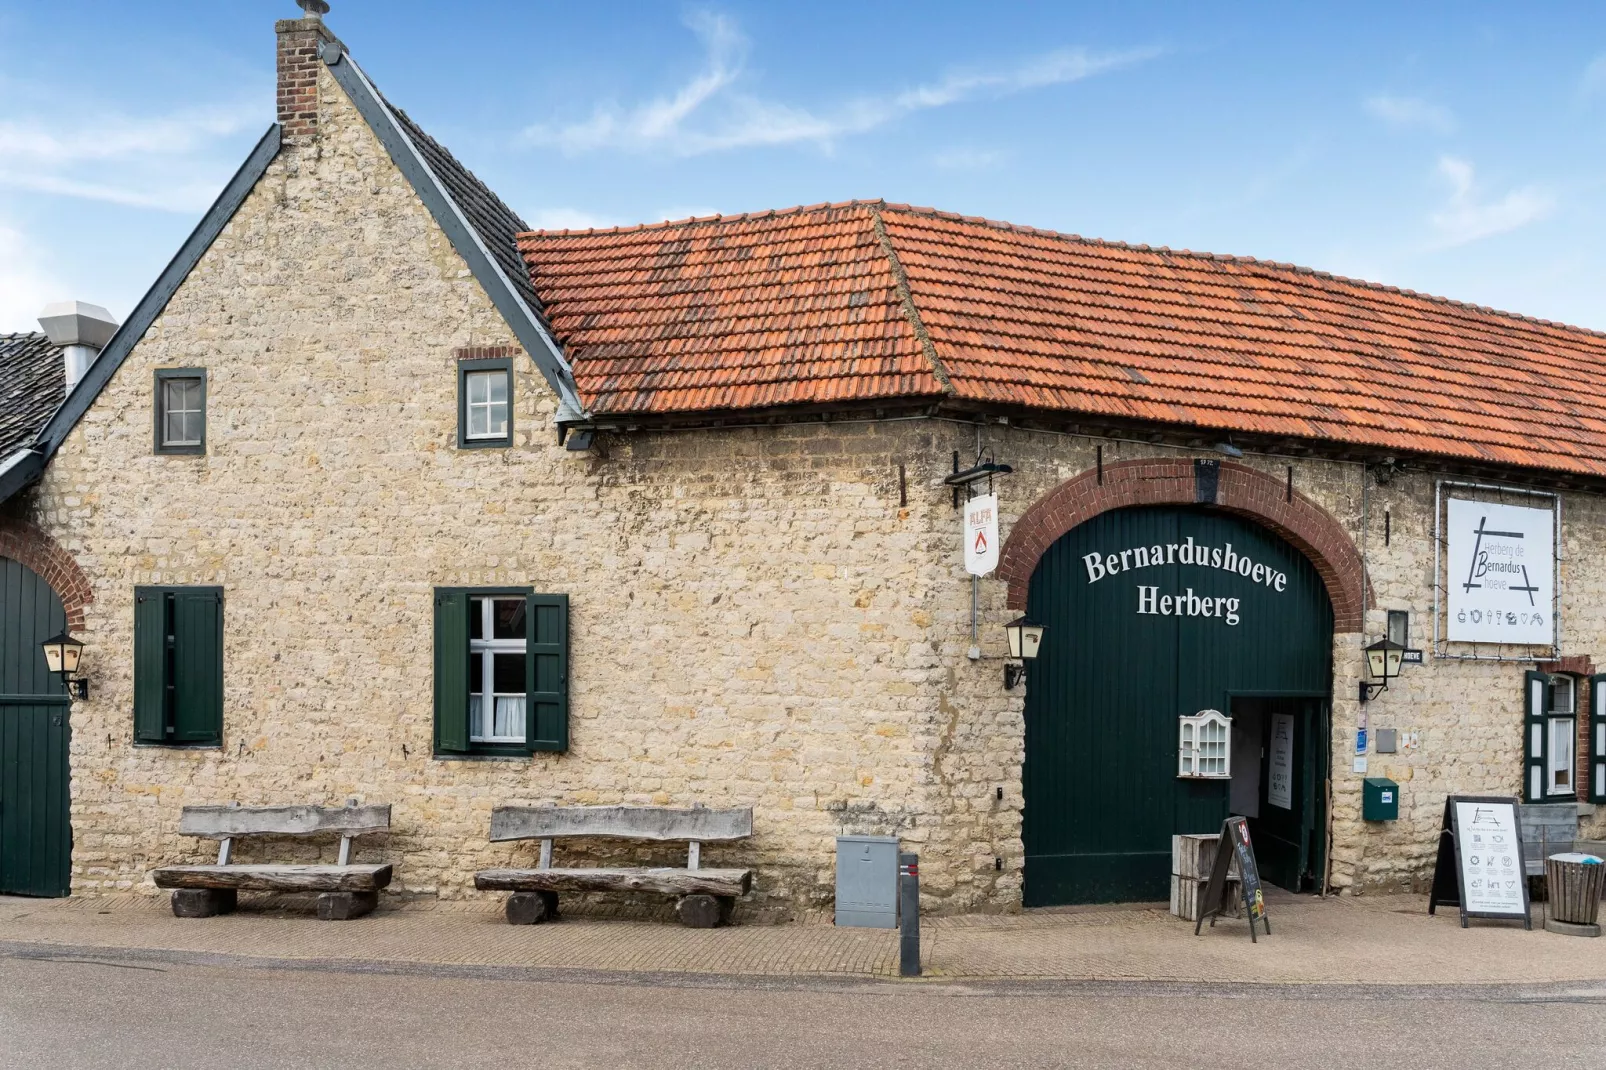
1123,659
35,834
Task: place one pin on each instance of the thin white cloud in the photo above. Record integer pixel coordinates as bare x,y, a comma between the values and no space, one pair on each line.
1593,82
1411,113
569,219
1465,218
27,283
122,160
960,158
711,113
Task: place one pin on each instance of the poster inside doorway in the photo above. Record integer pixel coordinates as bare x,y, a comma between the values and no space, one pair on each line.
1280,773
1501,573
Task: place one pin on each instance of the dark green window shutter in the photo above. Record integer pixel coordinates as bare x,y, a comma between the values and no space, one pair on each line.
1534,733
197,665
150,665
451,671
547,671
1596,771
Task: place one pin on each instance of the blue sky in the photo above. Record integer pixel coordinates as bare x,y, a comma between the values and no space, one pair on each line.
1451,148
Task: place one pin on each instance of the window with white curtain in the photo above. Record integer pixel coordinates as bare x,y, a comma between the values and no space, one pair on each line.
497,632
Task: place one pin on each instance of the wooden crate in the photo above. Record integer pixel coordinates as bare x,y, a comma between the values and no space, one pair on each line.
1187,894
1192,856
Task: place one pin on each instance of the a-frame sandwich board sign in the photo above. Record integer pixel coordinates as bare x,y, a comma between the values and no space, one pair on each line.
1234,843
1480,866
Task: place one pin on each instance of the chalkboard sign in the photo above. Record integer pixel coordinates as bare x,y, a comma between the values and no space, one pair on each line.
1480,867
1234,843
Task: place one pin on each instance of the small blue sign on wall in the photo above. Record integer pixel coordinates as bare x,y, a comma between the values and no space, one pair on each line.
1360,741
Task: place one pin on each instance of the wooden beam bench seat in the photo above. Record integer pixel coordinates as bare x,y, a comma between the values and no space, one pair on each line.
347,889
705,897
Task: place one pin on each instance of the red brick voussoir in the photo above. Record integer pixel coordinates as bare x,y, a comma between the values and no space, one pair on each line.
24,543
1241,490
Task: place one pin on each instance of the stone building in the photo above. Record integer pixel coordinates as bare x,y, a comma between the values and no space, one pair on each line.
378,495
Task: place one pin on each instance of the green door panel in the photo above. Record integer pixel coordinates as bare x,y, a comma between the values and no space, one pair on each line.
1102,796
35,833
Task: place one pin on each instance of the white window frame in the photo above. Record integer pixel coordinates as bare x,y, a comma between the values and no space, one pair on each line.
487,406
482,721
195,394
1193,763
1561,734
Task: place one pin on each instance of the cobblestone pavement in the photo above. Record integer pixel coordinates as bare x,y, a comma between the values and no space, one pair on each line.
1365,940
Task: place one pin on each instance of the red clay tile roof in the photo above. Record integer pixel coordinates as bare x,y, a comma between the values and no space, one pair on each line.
806,306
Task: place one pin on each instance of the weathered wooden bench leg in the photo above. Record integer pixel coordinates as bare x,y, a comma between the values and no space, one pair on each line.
532,908
343,906
699,911
204,902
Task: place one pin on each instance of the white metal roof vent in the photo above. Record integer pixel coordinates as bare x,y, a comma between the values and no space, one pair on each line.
82,330
314,9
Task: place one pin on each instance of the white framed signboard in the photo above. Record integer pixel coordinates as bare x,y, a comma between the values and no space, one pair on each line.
981,534
1501,575
1480,864
1280,771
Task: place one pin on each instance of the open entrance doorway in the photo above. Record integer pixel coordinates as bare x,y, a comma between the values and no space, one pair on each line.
1279,782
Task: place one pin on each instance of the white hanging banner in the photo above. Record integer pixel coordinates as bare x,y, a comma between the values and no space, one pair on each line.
981,534
1501,574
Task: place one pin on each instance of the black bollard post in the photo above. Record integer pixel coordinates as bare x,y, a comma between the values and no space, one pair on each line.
909,915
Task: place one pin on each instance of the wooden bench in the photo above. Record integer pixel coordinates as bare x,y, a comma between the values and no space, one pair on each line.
349,890
1547,829
706,896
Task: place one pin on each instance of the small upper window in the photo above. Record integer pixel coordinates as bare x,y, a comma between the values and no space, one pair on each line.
485,403
181,410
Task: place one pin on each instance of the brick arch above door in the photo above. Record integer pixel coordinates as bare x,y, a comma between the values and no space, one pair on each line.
27,544
1240,489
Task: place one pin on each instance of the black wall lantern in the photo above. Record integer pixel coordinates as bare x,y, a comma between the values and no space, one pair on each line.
1025,638
1383,659
61,657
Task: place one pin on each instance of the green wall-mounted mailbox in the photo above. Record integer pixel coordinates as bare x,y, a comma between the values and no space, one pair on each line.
1380,799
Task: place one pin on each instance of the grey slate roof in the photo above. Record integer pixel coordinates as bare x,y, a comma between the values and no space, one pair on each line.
32,384
497,225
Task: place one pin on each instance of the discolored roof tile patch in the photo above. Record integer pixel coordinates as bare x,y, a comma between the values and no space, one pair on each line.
804,306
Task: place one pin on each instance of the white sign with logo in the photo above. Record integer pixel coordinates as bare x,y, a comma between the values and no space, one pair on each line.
1280,782
1501,574
981,534
1491,858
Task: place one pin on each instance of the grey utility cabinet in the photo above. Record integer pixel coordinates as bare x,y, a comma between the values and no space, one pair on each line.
867,881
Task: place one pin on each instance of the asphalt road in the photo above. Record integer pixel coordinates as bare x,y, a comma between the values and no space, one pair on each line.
91,1012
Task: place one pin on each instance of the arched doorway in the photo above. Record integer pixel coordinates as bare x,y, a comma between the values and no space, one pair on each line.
35,832
1155,613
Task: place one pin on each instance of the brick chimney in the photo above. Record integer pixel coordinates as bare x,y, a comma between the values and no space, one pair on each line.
298,70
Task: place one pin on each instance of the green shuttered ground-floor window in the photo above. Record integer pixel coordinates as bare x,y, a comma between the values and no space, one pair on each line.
178,665
501,671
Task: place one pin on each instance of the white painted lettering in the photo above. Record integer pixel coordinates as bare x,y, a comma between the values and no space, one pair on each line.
1231,561
1215,557
1281,581
1165,606
1232,611
1124,555
1244,565
1140,557
1095,568
1170,553
1112,564
1259,570
1148,600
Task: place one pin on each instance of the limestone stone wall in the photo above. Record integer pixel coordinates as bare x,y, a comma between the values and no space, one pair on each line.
760,616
